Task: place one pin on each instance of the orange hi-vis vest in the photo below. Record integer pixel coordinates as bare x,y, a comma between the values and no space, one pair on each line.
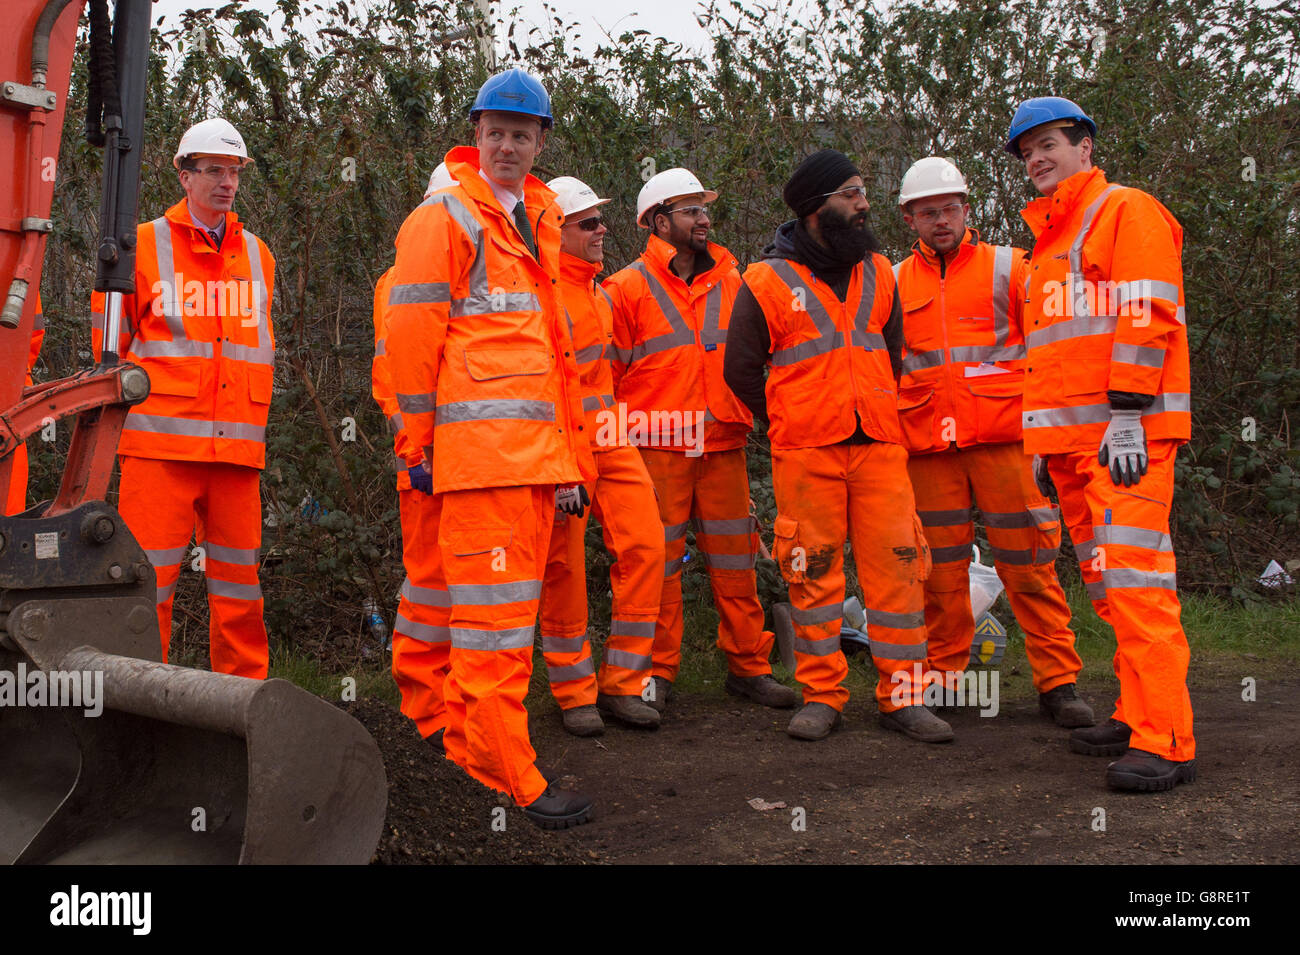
590,319
1104,312
199,323
963,361
482,362
669,342
381,386
830,365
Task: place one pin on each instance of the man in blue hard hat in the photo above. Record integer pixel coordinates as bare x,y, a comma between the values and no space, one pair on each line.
1106,405
486,380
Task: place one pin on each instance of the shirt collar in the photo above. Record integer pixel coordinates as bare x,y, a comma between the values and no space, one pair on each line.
504,195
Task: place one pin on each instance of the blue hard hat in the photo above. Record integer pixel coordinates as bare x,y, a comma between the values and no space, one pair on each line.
1045,109
514,91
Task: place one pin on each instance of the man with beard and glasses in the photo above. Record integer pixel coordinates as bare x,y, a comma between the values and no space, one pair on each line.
672,308
821,311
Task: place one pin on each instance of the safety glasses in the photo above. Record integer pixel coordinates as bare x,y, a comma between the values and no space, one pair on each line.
589,224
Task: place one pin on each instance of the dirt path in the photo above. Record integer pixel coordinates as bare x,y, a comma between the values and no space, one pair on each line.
1007,790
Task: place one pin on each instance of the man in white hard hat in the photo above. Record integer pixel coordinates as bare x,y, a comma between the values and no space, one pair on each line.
960,399
191,455
622,497
672,308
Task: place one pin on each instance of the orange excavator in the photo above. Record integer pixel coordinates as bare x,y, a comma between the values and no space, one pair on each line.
154,763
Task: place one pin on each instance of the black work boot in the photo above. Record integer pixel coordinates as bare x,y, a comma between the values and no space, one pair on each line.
1140,771
1063,705
762,689
1107,739
559,809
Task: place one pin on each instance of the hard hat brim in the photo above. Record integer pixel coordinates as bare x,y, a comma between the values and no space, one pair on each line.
708,194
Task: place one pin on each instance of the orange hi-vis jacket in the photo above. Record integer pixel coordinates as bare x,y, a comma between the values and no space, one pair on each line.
590,319
669,342
963,362
1104,312
381,386
830,365
481,359
199,323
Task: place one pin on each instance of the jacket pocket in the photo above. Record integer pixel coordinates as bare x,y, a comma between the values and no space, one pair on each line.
175,377
472,541
916,407
923,562
791,558
261,382
503,361
998,400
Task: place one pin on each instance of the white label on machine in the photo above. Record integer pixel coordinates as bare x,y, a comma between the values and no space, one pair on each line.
47,545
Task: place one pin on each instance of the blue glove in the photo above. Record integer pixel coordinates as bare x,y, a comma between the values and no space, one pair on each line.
421,479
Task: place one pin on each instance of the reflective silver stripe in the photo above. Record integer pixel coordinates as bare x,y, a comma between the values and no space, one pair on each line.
897,651
591,403
986,353
1094,414
188,427
1047,556
574,671
159,349
729,561
1086,550
815,615
923,359
262,353
711,332
951,555
1009,520
417,404
621,355
1138,355
479,291
515,638
381,348
493,302
632,628
165,593
961,515
861,339
484,595
896,621
168,302
590,353
681,333
395,422
735,525
425,596
1096,590
1002,257
241,556
827,337
97,321
628,661
671,567
1123,578
1128,536
165,558
489,408
226,588
424,632
1078,296
862,320
1016,558
1137,290
38,322
419,293
674,532
1043,515
822,647
1078,327
1170,401
563,644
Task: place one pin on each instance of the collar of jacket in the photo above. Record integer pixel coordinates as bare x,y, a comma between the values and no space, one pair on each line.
179,215
576,271
969,242
1048,212
537,198
658,255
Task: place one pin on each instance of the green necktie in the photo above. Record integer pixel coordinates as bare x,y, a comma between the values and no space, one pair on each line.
521,223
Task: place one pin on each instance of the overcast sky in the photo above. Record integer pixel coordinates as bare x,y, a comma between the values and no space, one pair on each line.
673,19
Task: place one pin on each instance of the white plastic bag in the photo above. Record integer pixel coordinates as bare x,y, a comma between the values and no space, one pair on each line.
985,586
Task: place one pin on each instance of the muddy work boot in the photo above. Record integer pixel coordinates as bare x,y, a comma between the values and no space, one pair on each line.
1063,705
1109,739
1140,771
629,710
559,809
815,721
583,721
762,689
917,723
661,693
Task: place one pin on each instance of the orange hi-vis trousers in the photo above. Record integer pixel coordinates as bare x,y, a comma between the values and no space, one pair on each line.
164,503
421,637
859,493
494,543
713,490
1121,535
1024,532
623,500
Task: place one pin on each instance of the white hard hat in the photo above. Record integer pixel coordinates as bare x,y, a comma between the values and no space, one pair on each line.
574,195
440,179
931,176
669,184
212,137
